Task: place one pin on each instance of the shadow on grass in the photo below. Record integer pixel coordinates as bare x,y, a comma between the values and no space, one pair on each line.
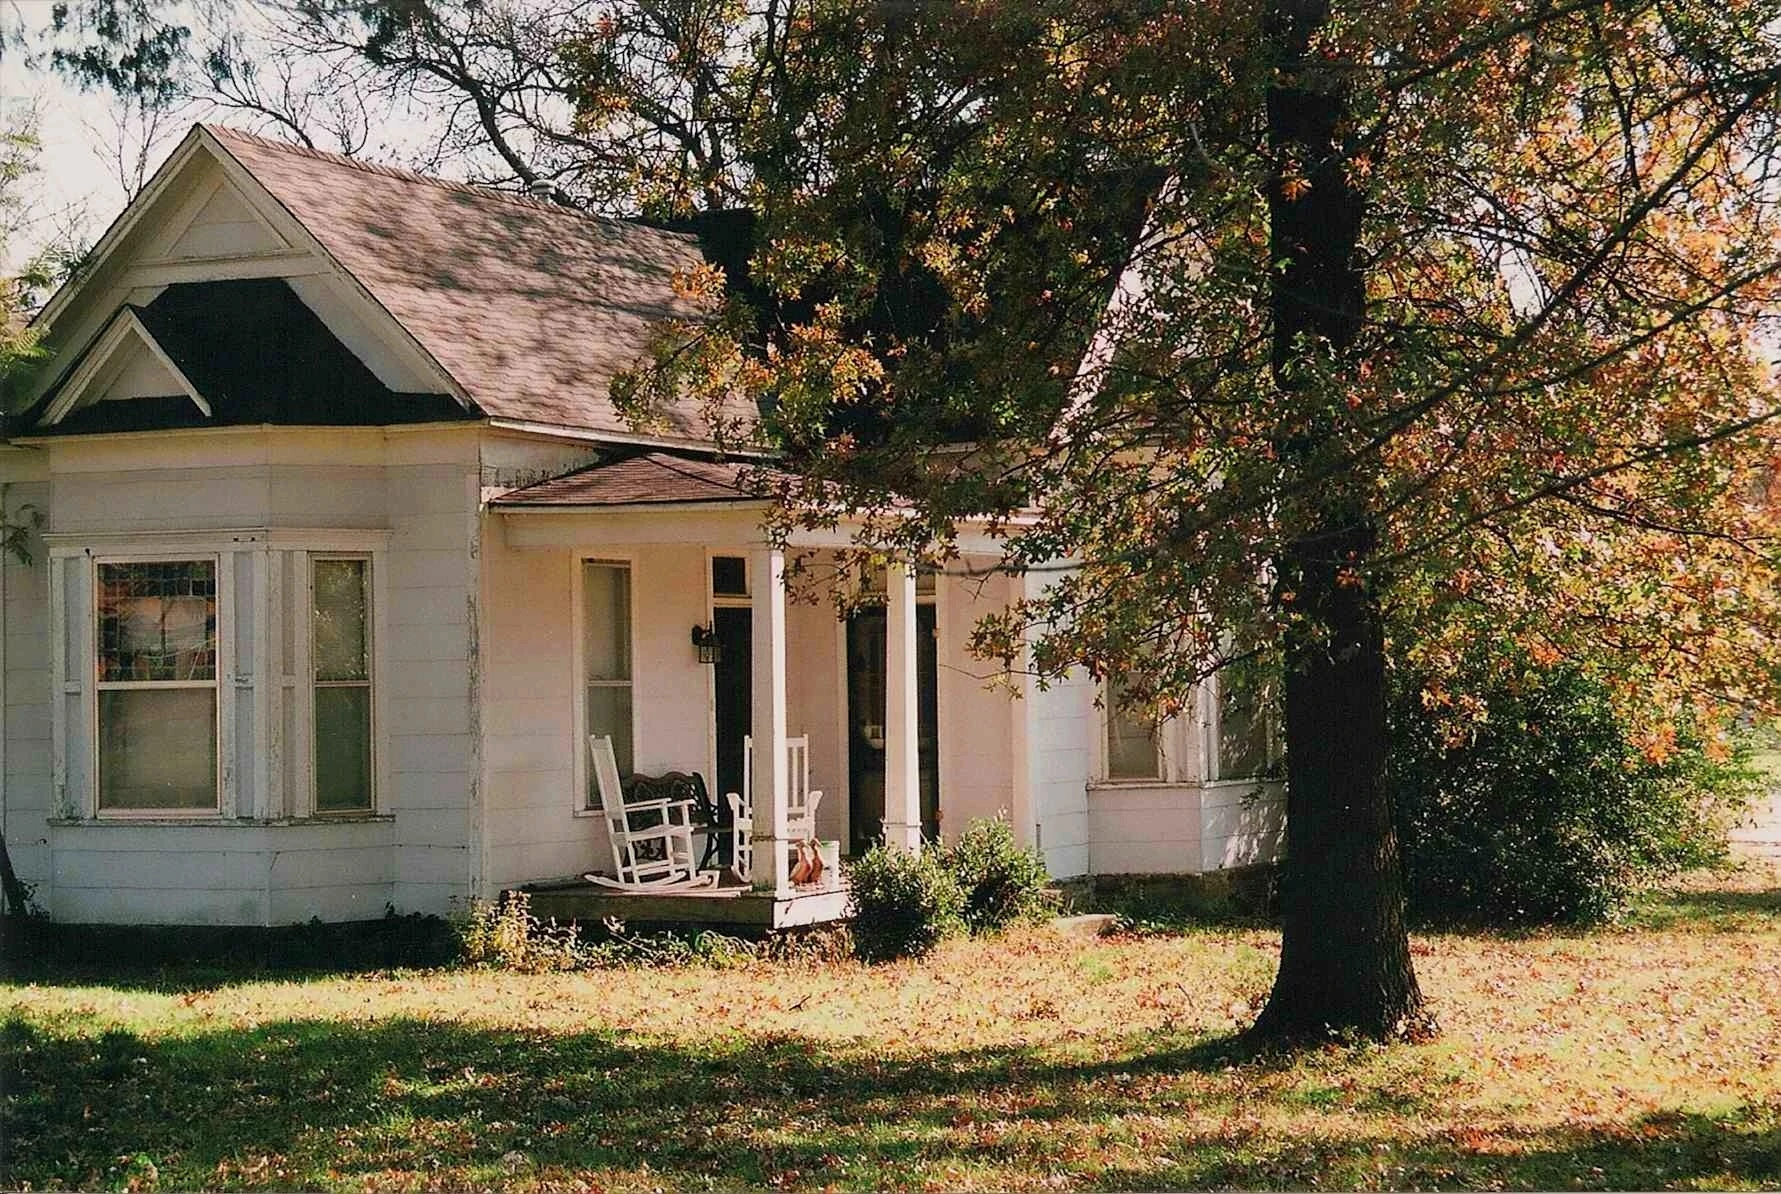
408,1101
193,958
1664,1149
1717,910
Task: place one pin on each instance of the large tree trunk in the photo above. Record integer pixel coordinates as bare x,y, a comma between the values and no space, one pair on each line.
1345,954
1344,951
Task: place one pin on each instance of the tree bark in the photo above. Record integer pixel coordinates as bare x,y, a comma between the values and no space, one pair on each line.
1345,951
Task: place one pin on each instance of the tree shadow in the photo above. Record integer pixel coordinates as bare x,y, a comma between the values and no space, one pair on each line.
1716,910
1663,1149
296,1103
178,960
418,1095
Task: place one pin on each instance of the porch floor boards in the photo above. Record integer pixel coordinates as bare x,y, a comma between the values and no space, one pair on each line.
734,908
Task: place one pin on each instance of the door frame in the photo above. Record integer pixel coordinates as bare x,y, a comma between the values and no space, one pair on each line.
844,731
712,603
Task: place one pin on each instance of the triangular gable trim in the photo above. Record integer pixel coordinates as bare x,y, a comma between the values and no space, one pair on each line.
260,197
162,245
120,228
236,172
125,328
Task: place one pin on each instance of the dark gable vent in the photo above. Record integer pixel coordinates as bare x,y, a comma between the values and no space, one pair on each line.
257,354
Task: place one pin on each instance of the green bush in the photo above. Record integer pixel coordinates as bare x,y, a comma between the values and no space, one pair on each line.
903,904
1551,813
506,935
1003,884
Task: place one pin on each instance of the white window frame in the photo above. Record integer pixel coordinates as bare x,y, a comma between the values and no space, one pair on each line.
224,666
373,666
1167,753
1211,698
1177,763
742,600
278,680
582,795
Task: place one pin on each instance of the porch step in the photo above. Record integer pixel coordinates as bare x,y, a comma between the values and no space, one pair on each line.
734,909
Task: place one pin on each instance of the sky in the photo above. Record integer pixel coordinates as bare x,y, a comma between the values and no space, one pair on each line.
73,175
78,178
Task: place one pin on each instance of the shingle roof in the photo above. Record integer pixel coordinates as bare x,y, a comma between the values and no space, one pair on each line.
654,478
530,306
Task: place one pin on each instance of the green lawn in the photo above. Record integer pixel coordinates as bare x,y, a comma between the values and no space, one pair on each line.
1645,1056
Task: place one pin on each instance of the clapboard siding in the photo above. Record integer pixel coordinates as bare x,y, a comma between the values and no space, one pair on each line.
1181,828
25,719
1059,733
1064,722
419,489
160,906
431,691
976,739
1758,832
528,692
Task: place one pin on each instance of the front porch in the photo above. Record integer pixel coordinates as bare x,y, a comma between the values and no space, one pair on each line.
643,591
734,908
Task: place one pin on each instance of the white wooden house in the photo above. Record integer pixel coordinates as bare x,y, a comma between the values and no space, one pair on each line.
344,552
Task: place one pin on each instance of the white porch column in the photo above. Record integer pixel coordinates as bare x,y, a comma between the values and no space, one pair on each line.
902,712
771,837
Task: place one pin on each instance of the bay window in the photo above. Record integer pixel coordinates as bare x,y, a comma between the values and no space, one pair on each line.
1238,745
206,675
1133,740
1235,724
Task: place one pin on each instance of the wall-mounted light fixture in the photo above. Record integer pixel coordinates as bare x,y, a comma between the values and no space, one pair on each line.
705,641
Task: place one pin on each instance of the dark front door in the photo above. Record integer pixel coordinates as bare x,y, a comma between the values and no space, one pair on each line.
733,677
865,724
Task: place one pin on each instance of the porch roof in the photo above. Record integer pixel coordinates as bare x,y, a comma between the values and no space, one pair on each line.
651,479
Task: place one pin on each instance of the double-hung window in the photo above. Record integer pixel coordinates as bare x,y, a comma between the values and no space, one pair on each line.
606,659
1238,732
156,685
1238,729
1134,746
340,657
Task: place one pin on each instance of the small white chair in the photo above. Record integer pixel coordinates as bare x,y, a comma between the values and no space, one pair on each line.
741,835
670,836
801,801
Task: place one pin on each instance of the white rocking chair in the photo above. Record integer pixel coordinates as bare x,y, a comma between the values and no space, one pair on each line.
800,806
667,862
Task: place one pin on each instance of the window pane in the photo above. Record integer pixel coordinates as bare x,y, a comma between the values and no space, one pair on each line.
343,749
157,748
606,621
729,576
1242,732
609,712
157,620
342,642
1131,739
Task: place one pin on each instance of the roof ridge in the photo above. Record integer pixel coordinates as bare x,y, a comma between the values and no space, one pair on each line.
226,133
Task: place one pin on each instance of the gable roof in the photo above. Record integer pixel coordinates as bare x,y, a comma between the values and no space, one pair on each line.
245,351
532,307
653,478
527,310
